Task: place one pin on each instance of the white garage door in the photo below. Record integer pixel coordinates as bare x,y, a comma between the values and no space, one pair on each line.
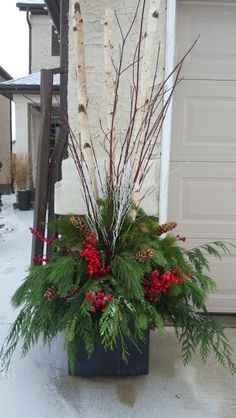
202,194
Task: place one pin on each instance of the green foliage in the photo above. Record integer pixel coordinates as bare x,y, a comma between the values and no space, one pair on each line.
67,271
201,332
129,274
131,311
68,235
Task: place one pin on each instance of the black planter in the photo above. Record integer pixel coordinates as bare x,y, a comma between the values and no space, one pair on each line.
24,197
110,363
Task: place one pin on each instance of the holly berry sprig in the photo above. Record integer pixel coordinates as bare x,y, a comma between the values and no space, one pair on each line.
160,283
41,237
39,259
93,257
98,301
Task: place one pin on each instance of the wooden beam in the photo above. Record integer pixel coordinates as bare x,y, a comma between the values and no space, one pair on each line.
41,191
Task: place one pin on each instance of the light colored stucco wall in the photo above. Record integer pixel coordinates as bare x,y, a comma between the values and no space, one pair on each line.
21,124
67,195
41,44
28,121
5,142
35,124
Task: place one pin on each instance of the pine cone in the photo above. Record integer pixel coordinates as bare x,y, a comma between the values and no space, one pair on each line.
143,228
144,255
81,225
162,229
73,289
51,293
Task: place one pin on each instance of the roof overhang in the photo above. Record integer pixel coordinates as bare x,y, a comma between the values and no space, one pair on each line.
9,90
4,74
34,8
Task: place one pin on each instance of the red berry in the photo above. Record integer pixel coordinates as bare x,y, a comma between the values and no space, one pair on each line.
98,302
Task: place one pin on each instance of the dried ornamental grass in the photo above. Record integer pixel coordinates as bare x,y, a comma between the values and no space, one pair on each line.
20,171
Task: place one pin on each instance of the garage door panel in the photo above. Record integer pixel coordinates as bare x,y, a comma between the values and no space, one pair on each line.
202,197
206,129
214,55
224,273
202,192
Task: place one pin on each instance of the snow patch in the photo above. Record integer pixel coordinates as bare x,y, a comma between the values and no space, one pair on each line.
8,220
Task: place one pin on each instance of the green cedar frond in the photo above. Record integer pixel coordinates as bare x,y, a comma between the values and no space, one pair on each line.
67,271
33,286
202,332
109,325
129,274
11,340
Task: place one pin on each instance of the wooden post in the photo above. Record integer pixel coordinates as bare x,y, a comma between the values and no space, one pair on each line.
41,191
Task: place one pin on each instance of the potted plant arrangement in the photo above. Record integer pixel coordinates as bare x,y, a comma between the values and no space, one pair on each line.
20,173
117,273
105,300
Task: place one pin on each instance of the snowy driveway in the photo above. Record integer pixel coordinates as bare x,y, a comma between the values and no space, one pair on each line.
38,386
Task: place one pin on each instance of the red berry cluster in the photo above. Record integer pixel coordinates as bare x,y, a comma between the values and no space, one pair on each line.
158,283
98,301
40,236
93,257
180,238
40,259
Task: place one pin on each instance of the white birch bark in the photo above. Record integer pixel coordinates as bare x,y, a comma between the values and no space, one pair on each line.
110,80
145,84
109,68
109,73
86,141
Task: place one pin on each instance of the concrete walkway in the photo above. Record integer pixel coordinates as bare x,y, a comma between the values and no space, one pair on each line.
38,386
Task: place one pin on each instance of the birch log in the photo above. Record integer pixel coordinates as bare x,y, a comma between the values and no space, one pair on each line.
86,141
109,68
145,85
110,79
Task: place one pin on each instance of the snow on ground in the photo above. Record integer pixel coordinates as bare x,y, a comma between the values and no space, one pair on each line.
8,219
15,248
38,386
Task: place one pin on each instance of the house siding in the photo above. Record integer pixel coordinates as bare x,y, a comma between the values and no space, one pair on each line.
41,44
94,13
5,142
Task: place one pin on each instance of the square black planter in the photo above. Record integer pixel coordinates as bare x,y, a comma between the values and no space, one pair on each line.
24,199
110,363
